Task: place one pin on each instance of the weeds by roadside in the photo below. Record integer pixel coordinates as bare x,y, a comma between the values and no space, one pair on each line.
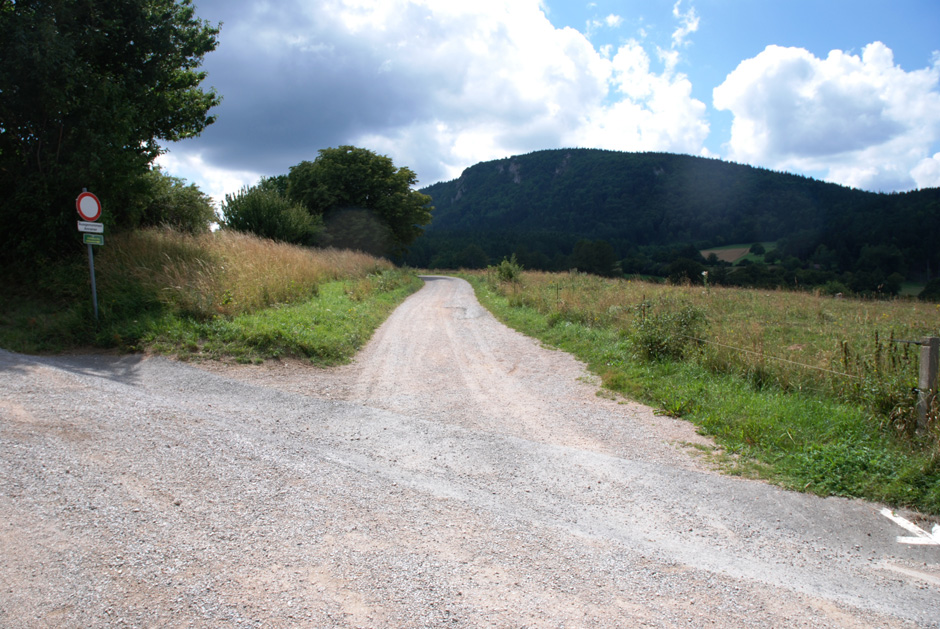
808,391
327,330
221,294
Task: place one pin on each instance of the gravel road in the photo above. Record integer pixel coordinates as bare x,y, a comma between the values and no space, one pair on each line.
456,474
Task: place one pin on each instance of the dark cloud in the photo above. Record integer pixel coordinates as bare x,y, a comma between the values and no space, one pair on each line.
439,85
293,84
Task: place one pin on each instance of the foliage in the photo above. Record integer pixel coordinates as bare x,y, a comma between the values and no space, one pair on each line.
772,419
89,88
262,210
359,230
196,294
473,257
171,203
685,271
666,329
509,270
595,257
354,185
655,208
931,292
327,330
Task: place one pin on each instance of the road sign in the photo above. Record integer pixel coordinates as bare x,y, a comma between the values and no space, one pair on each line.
90,228
88,206
93,239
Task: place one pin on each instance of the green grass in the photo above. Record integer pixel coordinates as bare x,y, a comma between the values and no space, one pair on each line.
218,296
328,329
768,246
911,289
799,439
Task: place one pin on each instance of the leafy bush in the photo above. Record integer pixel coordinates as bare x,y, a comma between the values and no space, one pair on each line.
833,288
665,329
266,212
931,292
348,177
90,92
509,270
174,204
358,229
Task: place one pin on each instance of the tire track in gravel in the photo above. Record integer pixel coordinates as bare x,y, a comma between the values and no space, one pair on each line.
443,356
455,474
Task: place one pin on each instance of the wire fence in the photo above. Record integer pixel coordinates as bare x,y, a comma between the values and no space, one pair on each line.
762,355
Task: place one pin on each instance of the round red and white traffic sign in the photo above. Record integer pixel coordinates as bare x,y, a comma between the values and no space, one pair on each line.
88,206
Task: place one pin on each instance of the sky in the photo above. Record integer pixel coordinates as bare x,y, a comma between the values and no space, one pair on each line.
846,91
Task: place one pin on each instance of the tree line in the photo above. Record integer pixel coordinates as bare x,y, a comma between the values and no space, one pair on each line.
88,90
612,213
348,197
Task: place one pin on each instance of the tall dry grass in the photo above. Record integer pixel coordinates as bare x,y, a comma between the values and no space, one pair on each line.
843,348
222,273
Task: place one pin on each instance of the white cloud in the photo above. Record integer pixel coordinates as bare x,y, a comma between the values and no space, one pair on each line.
688,24
657,112
437,85
593,25
860,120
927,173
213,181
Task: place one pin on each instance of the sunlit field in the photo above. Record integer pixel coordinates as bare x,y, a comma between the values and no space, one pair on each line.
226,272
224,295
816,393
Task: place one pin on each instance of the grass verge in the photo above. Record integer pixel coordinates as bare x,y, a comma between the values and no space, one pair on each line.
222,295
328,329
795,438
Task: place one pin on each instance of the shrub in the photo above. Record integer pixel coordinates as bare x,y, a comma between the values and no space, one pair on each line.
931,292
265,212
665,329
509,270
173,203
833,287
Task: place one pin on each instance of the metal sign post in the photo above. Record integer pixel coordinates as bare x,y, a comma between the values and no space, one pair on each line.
89,208
91,268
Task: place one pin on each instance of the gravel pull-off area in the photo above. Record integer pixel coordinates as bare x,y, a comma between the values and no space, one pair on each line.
456,475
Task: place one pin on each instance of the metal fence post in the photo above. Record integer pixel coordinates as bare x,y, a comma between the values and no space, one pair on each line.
927,386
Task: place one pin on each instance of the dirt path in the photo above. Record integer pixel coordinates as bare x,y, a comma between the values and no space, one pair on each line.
457,474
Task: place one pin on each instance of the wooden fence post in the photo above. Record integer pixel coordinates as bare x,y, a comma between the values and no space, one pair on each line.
927,386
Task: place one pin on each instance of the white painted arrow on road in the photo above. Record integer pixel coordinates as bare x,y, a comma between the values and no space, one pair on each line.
922,537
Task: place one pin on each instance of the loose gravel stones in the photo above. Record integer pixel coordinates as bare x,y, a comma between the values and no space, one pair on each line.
457,474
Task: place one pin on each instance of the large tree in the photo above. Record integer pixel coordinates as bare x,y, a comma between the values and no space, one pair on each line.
87,89
351,187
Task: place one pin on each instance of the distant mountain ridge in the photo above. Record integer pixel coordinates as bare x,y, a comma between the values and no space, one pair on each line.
643,198
548,200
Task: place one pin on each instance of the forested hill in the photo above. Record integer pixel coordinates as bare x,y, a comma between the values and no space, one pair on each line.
548,200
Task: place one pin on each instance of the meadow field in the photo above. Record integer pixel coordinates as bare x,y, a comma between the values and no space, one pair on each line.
813,392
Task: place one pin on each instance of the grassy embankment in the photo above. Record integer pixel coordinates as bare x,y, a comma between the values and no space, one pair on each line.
807,391
221,295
